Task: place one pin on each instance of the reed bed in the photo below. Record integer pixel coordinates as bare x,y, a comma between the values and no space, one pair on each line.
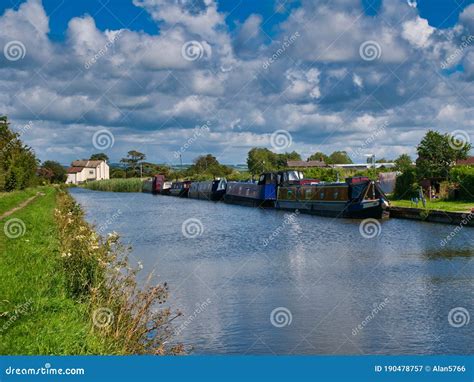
116,185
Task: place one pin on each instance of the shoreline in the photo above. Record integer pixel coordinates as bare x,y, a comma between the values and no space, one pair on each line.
438,216
71,289
433,216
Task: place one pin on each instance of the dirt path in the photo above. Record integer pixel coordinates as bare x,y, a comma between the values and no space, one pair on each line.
23,204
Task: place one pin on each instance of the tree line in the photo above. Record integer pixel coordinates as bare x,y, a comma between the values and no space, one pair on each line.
436,155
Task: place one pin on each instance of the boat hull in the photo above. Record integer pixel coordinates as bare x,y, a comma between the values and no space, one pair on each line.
208,190
249,202
372,209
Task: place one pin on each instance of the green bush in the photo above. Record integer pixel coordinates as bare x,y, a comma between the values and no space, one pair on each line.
18,162
324,174
464,177
406,186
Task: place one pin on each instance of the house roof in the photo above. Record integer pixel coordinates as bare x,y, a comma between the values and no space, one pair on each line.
86,163
74,170
468,161
302,163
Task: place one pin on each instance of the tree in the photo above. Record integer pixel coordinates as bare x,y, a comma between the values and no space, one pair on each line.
339,157
117,173
403,162
18,163
319,156
406,186
208,166
260,160
437,153
132,161
57,171
99,156
282,159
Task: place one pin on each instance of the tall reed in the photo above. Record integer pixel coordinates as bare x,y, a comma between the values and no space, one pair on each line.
115,185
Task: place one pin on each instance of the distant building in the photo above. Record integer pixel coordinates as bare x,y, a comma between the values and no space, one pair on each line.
305,164
84,170
469,161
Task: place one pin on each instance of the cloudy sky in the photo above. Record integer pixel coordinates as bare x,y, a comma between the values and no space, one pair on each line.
220,76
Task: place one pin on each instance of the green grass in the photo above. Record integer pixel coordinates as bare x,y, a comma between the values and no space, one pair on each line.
116,185
8,200
441,205
33,280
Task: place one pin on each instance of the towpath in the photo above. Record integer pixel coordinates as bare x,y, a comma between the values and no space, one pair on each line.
23,204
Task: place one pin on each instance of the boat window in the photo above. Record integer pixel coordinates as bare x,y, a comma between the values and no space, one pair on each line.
336,194
294,175
321,195
307,193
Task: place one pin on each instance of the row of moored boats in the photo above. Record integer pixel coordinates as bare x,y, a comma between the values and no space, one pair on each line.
356,197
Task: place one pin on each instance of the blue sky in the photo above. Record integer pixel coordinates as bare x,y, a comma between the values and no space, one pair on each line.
361,76
119,13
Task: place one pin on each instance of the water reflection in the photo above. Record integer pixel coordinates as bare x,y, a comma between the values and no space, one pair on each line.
322,270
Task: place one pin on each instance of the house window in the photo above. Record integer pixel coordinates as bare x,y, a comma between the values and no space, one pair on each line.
91,172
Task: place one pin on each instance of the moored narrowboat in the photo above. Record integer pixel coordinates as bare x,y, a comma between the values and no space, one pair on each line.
180,189
165,188
156,185
208,190
357,197
262,193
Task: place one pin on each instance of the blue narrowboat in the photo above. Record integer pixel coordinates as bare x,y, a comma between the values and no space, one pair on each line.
357,197
180,189
208,190
262,193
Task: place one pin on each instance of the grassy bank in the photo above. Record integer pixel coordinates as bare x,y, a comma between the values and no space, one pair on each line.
440,205
8,200
116,185
64,290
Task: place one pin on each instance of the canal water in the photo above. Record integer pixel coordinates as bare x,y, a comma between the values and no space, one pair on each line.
253,281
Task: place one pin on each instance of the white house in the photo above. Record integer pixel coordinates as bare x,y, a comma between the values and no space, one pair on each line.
84,170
